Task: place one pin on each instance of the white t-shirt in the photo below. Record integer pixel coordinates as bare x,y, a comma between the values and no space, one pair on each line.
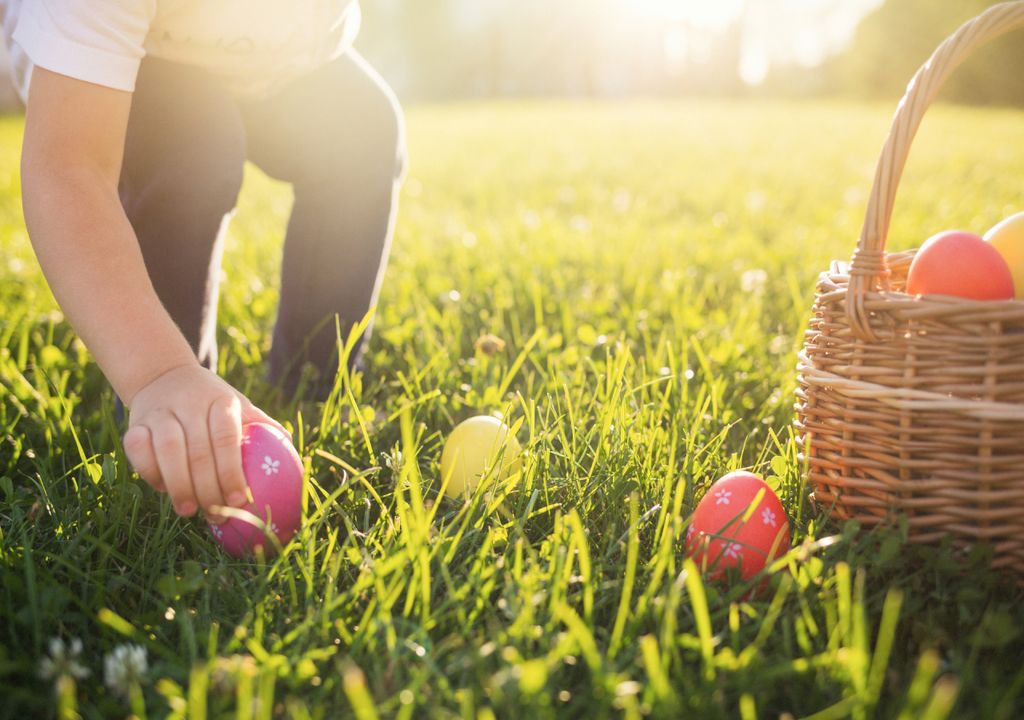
254,46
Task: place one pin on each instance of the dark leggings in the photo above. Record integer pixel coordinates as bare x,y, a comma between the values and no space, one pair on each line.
336,135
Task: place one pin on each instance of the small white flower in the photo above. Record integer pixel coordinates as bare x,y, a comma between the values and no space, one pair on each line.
124,667
270,465
246,440
689,532
753,281
768,518
732,550
63,660
215,529
722,497
393,460
273,528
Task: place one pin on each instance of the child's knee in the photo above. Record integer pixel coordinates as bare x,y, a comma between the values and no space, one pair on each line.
371,131
200,170
211,175
388,116
185,141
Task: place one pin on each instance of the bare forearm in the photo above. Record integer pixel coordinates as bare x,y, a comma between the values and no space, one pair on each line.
186,423
91,259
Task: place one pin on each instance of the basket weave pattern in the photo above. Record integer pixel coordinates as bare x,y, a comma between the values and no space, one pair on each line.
914,406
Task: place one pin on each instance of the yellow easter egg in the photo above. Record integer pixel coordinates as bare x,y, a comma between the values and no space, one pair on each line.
474,451
1008,238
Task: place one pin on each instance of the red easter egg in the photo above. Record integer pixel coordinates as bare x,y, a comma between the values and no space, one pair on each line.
960,264
740,524
273,472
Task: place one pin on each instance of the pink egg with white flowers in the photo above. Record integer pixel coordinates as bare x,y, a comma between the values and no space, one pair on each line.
273,472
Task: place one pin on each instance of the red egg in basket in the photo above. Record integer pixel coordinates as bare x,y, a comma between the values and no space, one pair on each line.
960,264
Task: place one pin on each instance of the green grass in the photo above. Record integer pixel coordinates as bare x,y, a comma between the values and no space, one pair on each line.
608,245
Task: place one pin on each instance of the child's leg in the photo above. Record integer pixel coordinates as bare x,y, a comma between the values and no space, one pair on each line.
336,136
183,160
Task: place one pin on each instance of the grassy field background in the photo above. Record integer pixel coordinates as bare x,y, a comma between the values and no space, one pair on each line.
651,268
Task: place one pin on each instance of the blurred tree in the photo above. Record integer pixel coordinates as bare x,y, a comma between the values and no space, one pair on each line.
457,48
467,48
894,40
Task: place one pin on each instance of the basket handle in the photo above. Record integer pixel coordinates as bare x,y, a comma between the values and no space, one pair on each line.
868,267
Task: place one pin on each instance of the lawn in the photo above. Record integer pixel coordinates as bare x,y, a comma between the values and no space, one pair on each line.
651,269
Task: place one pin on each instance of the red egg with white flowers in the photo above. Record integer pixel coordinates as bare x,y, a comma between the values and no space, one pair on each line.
273,472
740,523
960,264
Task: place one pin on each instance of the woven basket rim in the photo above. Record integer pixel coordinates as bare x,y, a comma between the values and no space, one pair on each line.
947,302
838,273
920,306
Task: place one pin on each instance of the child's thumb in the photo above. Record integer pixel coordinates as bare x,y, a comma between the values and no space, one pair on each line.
251,413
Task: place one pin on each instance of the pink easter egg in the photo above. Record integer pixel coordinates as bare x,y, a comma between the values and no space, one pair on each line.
273,472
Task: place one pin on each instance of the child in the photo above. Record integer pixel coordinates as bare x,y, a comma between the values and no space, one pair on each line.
139,117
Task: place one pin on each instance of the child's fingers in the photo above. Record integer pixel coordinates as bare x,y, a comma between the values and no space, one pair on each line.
225,426
201,466
172,458
138,447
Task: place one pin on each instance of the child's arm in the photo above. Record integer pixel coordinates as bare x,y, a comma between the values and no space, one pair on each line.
185,421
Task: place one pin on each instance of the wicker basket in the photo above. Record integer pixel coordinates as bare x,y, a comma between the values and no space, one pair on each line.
914,406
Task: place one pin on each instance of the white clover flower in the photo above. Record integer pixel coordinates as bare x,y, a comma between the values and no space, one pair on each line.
753,281
63,660
394,460
124,667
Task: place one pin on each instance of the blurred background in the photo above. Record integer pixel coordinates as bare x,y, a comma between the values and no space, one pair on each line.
434,49
445,49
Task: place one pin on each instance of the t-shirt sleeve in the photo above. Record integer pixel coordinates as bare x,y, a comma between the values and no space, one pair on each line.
98,41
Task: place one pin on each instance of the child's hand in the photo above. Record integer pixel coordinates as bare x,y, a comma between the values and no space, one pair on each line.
185,437
185,430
